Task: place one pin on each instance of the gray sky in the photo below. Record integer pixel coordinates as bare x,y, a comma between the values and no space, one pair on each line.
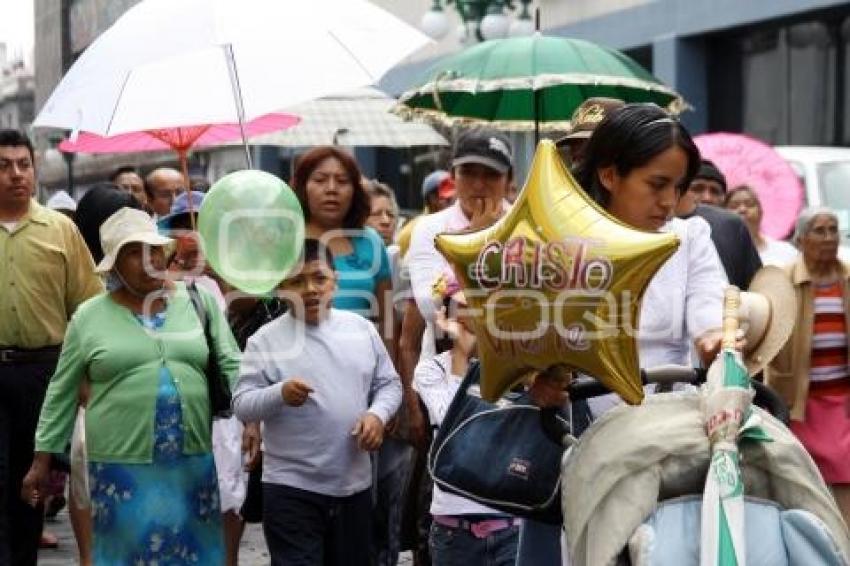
16,25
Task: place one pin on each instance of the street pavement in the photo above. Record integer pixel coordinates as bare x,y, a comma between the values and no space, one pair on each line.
252,551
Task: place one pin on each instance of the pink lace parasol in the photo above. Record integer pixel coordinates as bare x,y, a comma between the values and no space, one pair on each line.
748,161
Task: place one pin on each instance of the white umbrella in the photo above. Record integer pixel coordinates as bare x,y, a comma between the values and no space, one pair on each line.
168,63
358,118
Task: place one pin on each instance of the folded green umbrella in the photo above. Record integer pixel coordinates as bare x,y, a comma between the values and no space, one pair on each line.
524,83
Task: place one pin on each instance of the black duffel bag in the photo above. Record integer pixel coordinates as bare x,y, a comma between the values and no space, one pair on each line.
498,454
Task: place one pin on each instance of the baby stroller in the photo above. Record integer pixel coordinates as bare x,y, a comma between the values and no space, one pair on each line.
632,485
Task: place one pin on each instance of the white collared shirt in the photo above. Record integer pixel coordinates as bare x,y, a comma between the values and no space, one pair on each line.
424,263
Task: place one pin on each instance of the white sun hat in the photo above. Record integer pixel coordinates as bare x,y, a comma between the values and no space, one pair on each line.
125,226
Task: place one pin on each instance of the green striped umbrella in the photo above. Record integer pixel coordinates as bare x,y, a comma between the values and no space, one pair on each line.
523,83
729,419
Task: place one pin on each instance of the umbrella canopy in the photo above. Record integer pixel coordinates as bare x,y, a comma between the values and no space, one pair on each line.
166,64
747,161
359,118
521,82
177,139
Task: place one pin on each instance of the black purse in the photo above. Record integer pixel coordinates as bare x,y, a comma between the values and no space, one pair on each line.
498,454
218,388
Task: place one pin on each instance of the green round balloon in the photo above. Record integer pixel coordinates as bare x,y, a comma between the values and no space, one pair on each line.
252,230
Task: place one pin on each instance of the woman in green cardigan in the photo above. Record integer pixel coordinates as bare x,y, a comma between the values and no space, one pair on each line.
141,346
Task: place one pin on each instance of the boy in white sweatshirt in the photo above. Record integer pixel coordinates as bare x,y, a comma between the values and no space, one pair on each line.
324,387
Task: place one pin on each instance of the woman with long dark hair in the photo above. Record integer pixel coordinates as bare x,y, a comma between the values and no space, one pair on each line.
637,164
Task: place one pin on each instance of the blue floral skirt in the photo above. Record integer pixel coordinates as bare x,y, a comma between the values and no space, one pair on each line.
166,512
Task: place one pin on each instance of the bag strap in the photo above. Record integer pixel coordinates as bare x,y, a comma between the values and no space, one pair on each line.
472,377
473,374
201,311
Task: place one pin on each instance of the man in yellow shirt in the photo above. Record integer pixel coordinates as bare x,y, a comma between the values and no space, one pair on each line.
46,271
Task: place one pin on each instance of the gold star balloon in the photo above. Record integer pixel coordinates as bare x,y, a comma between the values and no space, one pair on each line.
557,280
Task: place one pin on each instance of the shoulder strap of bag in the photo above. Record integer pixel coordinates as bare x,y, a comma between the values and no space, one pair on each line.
472,376
201,311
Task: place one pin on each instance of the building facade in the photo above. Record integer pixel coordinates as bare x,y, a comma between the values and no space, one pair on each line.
775,69
17,91
63,30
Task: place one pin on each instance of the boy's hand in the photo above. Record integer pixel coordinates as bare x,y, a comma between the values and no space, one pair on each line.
251,441
369,431
295,392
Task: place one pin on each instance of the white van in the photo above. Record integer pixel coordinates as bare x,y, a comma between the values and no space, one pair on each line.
825,172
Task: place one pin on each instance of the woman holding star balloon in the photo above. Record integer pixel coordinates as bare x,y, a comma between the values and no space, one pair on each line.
559,278
604,287
638,163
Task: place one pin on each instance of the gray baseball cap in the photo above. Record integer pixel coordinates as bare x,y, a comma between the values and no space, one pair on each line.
485,147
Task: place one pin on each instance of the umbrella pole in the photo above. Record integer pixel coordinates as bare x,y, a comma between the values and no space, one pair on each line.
184,167
536,92
237,99
536,117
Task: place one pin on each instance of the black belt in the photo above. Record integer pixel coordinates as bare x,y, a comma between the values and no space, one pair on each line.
36,355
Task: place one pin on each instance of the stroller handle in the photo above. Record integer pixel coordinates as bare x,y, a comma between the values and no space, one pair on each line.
661,375
765,397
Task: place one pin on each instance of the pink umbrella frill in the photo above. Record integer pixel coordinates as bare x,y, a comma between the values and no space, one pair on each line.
748,161
178,139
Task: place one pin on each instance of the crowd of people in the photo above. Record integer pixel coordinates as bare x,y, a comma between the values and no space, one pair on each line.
113,326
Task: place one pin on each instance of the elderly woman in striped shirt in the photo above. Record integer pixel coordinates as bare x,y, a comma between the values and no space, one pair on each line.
811,372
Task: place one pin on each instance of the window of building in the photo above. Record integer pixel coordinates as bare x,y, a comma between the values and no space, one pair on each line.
786,84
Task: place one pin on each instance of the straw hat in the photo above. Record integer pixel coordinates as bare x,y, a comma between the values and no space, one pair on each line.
587,116
125,226
767,315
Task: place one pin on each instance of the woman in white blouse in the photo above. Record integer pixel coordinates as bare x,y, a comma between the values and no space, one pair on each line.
638,163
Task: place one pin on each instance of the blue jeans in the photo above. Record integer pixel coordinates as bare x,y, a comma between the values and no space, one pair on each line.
539,544
386,516
459,547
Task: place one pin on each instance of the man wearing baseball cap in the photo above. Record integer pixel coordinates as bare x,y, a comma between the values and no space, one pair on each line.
482,168
438,191
582,123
